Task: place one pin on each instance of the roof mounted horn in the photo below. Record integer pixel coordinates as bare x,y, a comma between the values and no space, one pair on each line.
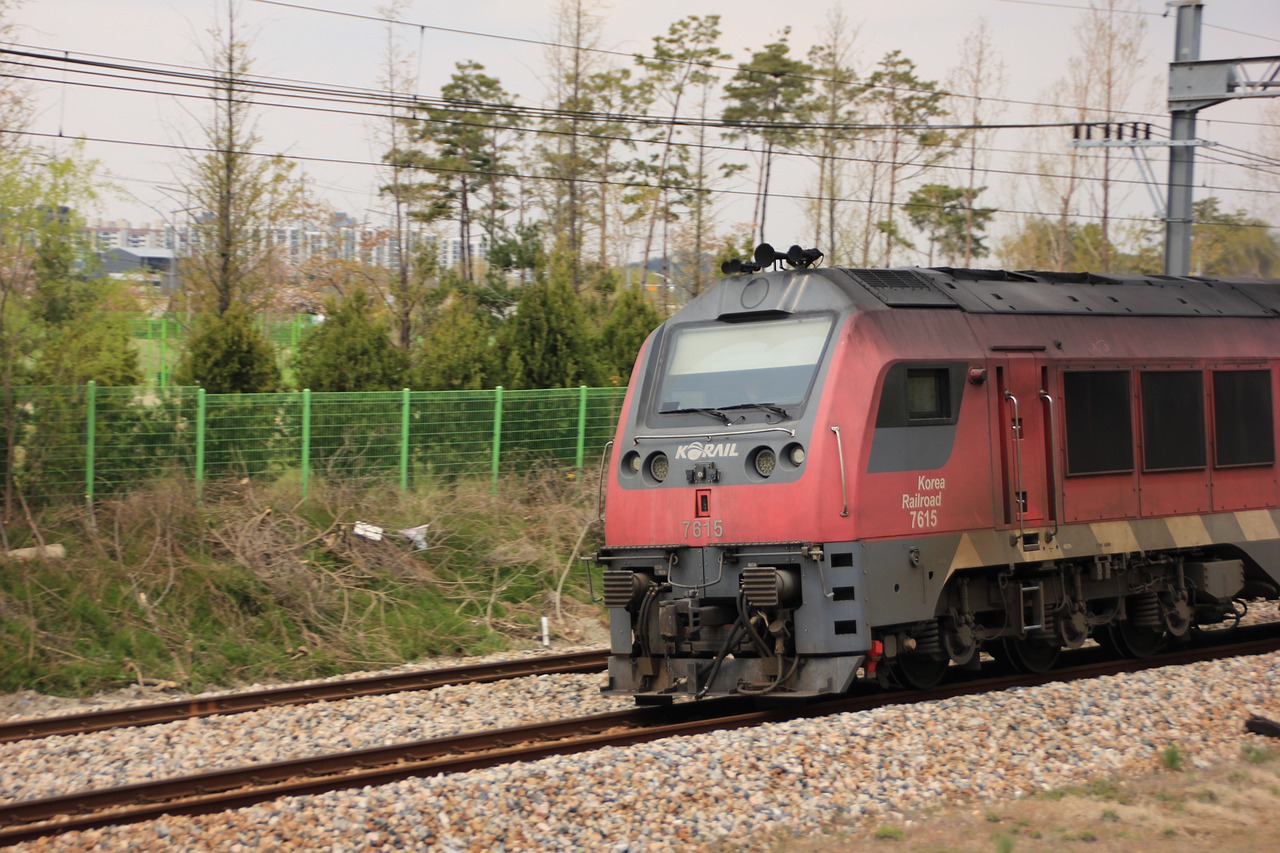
766,255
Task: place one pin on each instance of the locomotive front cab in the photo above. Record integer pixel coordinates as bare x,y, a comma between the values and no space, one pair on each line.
710,561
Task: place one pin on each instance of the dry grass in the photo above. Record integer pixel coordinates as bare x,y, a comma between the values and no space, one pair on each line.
252,581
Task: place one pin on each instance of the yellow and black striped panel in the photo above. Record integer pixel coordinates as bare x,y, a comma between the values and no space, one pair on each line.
995,547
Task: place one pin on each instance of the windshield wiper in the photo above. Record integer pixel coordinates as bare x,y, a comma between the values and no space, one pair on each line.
768,407
715,413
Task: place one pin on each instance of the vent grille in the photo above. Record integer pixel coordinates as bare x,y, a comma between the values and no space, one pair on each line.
620,587
762,586
902,288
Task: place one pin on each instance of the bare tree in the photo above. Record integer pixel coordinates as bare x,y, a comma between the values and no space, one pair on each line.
241,193
835,102
571,63
1065,180
15,96
977,85
1104,72
405,291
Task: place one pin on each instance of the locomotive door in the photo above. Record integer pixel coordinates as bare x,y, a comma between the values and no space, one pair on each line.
1026,446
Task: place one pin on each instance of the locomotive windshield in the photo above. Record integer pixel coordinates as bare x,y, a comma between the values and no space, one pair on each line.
725,366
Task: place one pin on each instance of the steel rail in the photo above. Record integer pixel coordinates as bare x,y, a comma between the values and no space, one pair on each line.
243,786
238,703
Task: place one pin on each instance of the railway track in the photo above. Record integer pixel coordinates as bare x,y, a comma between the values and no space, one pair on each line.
239,703
243,786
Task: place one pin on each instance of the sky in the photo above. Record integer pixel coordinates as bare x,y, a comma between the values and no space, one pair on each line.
1033,39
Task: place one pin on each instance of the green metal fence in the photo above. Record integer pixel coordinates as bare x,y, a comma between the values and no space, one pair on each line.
88,442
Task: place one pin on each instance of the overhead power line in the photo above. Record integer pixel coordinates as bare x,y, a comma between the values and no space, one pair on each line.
453,108
202,80
1143,12
205,80
196,83
632,55
198,149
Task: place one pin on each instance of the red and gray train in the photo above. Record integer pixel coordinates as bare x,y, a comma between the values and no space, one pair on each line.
827,474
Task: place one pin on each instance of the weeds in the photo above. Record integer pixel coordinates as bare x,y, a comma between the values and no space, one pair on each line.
890,833
1171,758
254,583
1256,754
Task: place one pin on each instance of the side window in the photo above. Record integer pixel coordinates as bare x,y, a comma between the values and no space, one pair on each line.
927,397
921,395
1099,421
1243,420
1173,420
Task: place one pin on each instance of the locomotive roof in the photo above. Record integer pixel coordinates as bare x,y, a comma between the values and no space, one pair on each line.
1005,292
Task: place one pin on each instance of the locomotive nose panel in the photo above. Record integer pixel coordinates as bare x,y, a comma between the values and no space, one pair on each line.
782,619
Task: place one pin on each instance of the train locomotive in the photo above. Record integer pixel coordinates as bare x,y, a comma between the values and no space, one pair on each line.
822,475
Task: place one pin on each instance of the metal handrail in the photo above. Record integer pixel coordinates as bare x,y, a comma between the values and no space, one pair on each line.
844,488
604,461
1017,457
1055,487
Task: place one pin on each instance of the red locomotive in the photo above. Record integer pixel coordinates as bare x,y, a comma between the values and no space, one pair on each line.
826,473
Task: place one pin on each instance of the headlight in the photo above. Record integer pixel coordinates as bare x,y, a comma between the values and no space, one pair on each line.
795,455
631,463
764,460
659,466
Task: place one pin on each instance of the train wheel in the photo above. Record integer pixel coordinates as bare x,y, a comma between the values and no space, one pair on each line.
1134,641
960,644
1029,656
920,672
1177,618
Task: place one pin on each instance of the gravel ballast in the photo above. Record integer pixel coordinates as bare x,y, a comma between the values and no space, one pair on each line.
740,788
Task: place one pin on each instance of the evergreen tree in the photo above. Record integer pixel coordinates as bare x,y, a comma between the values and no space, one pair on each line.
457,352
678,74
1231,244
229,355
547,344
905,105
624,333
948,217
351,350
464,147
93,345
766,93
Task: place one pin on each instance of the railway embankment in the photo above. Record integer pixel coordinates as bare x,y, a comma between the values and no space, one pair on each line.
165,590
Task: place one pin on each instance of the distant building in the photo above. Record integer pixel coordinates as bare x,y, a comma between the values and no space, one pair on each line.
154,265
343,239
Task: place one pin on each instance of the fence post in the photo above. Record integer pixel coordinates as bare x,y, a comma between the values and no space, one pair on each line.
497,433
582,425
404,440
91,392
200,422
164,352
306,440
